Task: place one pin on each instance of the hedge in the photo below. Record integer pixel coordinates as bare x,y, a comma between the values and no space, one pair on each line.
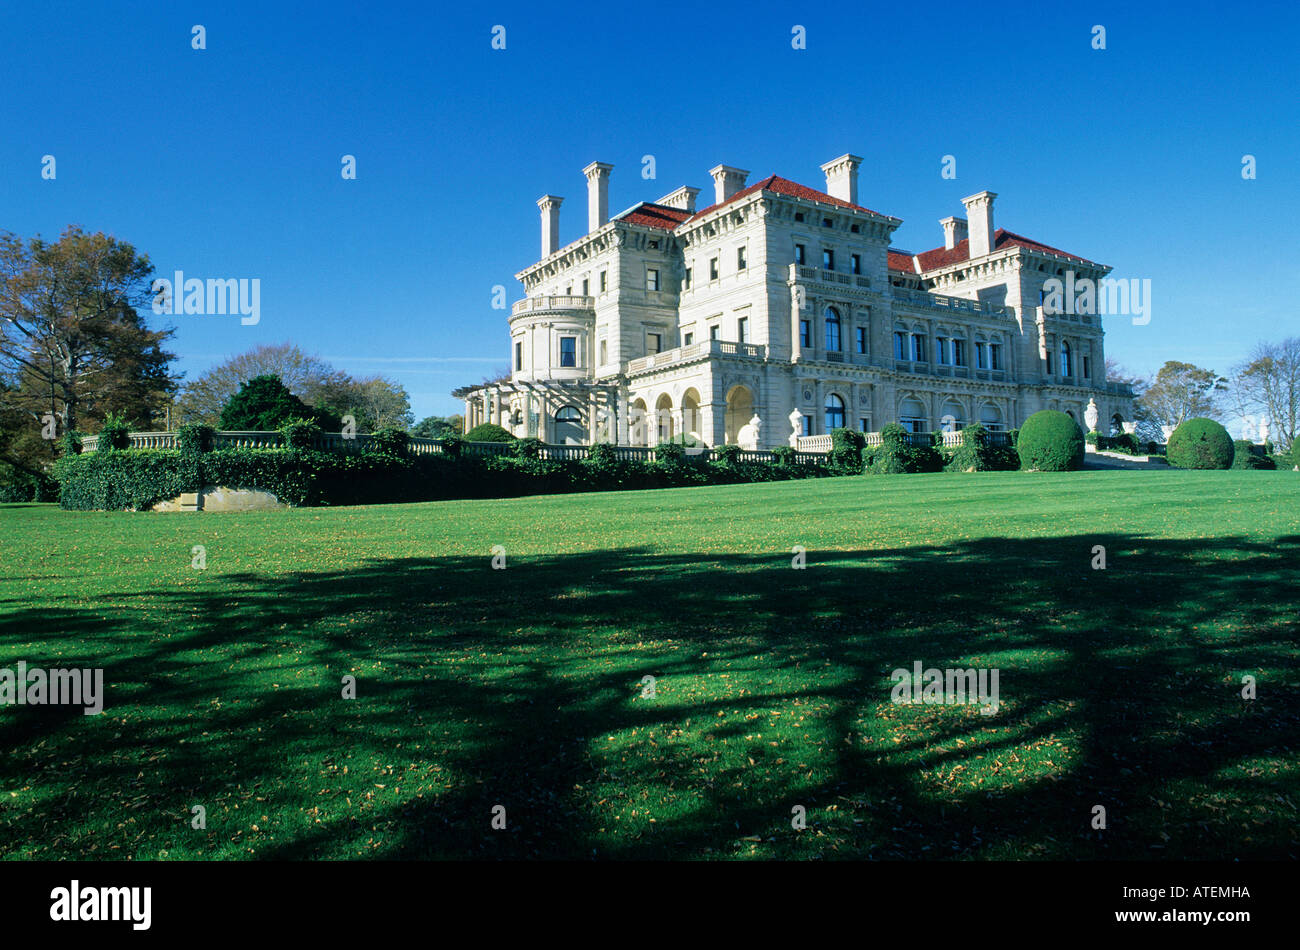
1200,443
140,479
1050,441
1247,454
897,456
488,432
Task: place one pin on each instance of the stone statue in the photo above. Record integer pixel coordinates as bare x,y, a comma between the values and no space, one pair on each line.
1090,415
796,428
747,437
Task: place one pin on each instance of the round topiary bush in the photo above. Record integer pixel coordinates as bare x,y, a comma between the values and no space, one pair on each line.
1050,441
488,432
1200,443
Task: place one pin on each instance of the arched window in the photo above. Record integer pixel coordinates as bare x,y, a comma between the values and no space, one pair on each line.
1065,359
952,418
832,329
834,412
569,429
991,417
911,413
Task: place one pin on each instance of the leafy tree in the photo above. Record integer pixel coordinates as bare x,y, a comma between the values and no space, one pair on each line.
264,404
73,343
438,427
374,402
1181,391
1267,385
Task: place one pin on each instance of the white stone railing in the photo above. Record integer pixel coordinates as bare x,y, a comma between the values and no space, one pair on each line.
943,302
530,304
754,351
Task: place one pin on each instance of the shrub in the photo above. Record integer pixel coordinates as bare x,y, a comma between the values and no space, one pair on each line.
1246,454
1050,441
784,456
670,452
1200,444
728,455
453,446
488,432
194,439
896,455
388,441
70,444
300,434
114,434
528,448
972,455
1092,438
846,450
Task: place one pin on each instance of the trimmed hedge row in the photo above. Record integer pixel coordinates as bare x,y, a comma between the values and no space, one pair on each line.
138,479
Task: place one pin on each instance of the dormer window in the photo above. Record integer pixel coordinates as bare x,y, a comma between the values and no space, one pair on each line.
856,228
654,245
827,223
798,215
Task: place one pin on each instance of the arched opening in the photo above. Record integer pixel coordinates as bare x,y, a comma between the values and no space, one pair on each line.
740,407
691,421
569,429
952,417
833,412
912,415
664,418
991,417
638,423
832,330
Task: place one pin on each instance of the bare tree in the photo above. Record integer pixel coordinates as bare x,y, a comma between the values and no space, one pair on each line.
1267,385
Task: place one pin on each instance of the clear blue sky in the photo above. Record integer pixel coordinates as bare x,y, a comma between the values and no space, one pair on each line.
225,162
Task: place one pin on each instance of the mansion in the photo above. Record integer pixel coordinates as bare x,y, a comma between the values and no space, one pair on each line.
780,312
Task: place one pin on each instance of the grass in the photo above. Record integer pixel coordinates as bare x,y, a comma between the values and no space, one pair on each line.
523,687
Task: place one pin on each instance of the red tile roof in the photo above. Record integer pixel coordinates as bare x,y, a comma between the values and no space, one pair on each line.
1002,239
650,215
783,186
901,260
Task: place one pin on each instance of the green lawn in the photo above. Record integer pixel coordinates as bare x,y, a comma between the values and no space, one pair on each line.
522,687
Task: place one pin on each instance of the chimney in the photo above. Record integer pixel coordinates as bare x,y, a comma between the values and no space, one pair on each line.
979,212
842,177
727,181
597,195
550,207
955,230
683,198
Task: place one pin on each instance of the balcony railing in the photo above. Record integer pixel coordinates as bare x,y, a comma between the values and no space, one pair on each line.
942,302
822,443
325,442
694,351
530,304
824,276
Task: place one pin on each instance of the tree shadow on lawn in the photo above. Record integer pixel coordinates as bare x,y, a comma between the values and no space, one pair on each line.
1118,687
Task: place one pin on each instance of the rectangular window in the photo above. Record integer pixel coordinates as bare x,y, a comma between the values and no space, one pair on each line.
519,354
1087,369
604,352
798,254
958,352
688,339
742,328
833,335
918,348
805,333
806,423
827,223
828,260
568,351
900,345
654,342
864,425
855,263
688,278
586,287
651,278
941,350
713,268
604,284
714,332
740,259
862,340
1049,362
995,356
